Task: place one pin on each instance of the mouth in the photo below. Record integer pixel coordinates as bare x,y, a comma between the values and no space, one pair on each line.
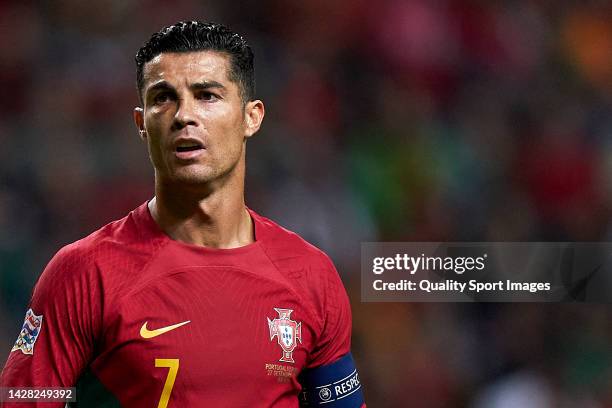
188,149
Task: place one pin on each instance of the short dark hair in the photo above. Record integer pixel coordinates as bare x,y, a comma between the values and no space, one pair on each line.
193,36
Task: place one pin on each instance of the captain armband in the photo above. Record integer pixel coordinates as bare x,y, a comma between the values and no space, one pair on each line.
334,385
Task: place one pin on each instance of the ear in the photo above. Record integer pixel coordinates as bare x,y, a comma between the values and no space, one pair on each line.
254,112
139,121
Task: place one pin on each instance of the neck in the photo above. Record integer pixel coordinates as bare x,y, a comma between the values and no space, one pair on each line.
206,216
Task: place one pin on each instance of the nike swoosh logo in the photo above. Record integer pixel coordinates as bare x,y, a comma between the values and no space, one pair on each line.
148,334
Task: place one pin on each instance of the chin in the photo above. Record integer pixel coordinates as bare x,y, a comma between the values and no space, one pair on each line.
194,176
192,179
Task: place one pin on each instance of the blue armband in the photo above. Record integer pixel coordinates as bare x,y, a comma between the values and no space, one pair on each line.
334,385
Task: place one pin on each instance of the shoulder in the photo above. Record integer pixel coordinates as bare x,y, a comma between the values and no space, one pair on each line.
286,248
117,236
309,270
116,248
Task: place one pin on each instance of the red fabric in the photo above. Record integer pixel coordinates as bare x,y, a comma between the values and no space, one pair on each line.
96,294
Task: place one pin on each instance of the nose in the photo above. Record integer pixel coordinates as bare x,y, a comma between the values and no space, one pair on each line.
184,115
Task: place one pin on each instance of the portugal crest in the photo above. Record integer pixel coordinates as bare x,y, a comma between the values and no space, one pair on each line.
29,333
287,331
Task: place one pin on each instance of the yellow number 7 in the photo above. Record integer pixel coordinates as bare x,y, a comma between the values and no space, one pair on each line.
173,365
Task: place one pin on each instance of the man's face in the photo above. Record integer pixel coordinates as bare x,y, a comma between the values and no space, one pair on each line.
194,119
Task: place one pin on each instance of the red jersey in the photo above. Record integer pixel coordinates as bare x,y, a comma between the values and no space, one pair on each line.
133,318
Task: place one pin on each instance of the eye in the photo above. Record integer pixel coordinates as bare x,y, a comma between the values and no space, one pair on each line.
161,98
206,96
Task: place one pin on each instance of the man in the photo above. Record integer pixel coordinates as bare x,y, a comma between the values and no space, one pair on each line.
192,300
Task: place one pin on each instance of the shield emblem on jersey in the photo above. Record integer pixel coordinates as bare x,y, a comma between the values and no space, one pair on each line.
287,335
288,332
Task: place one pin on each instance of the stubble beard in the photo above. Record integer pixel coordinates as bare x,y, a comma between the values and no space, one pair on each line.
200,176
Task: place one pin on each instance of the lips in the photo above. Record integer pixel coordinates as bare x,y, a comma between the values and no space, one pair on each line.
188,148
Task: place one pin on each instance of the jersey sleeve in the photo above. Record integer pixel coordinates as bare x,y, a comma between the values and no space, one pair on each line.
330,378
57,338
335,338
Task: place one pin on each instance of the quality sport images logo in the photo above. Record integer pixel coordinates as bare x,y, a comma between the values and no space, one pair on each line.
288,332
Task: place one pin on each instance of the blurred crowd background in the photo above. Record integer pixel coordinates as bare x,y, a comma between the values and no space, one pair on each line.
395,120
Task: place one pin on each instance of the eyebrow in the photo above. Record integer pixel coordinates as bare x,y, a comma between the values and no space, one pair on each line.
207,85
163,85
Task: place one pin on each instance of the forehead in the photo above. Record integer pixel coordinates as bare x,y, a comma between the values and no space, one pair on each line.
176,67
